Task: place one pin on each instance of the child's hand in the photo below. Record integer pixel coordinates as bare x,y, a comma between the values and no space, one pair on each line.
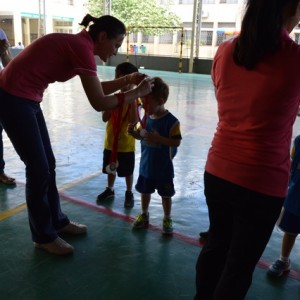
130,128
152,137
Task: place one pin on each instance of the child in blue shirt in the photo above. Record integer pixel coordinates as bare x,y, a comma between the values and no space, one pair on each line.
160,134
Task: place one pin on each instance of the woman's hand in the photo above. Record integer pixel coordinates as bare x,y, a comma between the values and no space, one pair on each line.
145,87
135,78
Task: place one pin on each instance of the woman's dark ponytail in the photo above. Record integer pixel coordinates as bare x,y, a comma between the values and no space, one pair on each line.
87,20
261,30
109,24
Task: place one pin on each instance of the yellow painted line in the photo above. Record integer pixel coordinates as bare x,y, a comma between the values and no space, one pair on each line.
21,207
13,211
78,181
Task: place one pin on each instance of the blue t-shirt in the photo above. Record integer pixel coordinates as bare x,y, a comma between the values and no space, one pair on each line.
156,159
292,200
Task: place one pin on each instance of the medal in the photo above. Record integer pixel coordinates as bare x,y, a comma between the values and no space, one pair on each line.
142,119
112,168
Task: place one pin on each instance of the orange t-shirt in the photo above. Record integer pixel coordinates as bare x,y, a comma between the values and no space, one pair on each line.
257,110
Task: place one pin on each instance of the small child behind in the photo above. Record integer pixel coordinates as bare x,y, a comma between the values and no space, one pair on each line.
159,134
126,144
289,220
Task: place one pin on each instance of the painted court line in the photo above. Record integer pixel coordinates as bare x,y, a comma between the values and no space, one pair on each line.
262,263
6,214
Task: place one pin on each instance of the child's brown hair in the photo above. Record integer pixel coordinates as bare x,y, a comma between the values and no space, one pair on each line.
160,89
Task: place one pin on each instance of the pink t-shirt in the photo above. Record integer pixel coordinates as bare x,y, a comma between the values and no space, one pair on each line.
53,57
257,110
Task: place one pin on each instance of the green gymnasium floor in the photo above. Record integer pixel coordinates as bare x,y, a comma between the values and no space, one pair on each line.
112,262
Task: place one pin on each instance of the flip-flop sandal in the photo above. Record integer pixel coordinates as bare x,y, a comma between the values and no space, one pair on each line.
4,179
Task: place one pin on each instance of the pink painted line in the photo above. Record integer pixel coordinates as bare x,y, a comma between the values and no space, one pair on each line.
262,264
129,219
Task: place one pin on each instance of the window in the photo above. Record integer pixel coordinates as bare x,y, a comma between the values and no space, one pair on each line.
166,38
133,37
147,38
221,36
229,1
62,26
226,25
209,1
206,38
186,2
207,25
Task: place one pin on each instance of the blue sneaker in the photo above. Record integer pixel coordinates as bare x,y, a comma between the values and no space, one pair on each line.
167,226
278,268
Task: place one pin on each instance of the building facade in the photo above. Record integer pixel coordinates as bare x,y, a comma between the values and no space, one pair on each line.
26,20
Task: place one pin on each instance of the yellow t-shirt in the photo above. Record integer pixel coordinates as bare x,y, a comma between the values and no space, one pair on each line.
126,142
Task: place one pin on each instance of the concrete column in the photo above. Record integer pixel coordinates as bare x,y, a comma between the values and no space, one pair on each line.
17,25
26,32
49,24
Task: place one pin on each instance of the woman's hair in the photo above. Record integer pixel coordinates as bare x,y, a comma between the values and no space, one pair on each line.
109,24
261,30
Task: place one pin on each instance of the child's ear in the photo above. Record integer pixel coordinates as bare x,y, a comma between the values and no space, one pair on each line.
161,101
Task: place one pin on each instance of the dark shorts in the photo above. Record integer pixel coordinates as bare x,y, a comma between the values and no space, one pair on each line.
289,222
126,162
148,186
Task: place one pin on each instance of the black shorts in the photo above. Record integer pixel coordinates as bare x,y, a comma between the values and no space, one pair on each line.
126,162
165,188
289,222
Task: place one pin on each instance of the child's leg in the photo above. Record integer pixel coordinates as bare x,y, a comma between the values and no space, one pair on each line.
111,181
129,198
145,201
167,224
288,242
167,206
142,220
129,182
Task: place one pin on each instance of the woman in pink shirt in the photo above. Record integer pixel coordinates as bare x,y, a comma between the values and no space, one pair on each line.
256,78
57,57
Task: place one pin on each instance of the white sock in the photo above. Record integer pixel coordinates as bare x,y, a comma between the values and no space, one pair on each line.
284,259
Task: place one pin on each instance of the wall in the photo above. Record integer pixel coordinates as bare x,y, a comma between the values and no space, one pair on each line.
200,66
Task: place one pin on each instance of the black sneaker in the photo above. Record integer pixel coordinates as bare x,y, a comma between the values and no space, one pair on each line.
108,194
129,200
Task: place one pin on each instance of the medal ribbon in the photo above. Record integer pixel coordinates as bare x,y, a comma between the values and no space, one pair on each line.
143,120
116,120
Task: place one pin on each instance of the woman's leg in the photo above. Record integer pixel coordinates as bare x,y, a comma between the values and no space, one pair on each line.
212,258
254,220
59,219
24,123
250,218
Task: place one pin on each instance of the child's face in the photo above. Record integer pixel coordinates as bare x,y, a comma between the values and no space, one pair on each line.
150,104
